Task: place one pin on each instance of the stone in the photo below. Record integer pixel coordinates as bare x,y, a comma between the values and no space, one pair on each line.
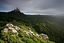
37,35
14,31
45,36
10,28
17,28
5,29
9,25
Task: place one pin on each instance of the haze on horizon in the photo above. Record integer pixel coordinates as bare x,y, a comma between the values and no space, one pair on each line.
42,7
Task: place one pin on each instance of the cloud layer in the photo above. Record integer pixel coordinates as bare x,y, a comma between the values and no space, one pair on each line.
38,6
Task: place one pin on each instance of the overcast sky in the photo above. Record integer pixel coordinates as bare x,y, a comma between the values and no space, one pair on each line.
42,7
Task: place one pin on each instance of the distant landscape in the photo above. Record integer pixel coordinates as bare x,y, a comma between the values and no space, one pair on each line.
52,26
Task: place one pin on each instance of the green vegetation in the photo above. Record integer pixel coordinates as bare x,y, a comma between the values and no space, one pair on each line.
21,37
50,25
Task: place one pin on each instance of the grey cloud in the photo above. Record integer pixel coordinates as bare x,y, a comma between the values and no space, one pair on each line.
33,5
39,4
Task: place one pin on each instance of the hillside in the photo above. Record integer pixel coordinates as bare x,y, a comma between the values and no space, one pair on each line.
53,26
31,28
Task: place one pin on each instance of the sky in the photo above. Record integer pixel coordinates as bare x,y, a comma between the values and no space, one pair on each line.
34,7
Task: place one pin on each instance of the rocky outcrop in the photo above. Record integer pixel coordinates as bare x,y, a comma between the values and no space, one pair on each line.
11,28
14,29
31,33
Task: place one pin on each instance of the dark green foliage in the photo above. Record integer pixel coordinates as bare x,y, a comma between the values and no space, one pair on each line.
49,25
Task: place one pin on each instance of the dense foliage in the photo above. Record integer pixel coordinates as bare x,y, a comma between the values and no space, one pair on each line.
51,25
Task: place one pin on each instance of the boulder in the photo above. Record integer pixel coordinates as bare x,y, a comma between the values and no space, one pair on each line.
44,36
6,30
9,25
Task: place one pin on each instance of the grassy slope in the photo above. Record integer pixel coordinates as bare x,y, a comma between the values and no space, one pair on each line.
21,37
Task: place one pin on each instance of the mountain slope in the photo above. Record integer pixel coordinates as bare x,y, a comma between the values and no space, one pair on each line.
15,28
50,25
21,34
53,26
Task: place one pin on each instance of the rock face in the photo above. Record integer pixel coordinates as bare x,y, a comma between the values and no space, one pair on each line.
11,28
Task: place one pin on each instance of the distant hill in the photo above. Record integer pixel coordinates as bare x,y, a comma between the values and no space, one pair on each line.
12,15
